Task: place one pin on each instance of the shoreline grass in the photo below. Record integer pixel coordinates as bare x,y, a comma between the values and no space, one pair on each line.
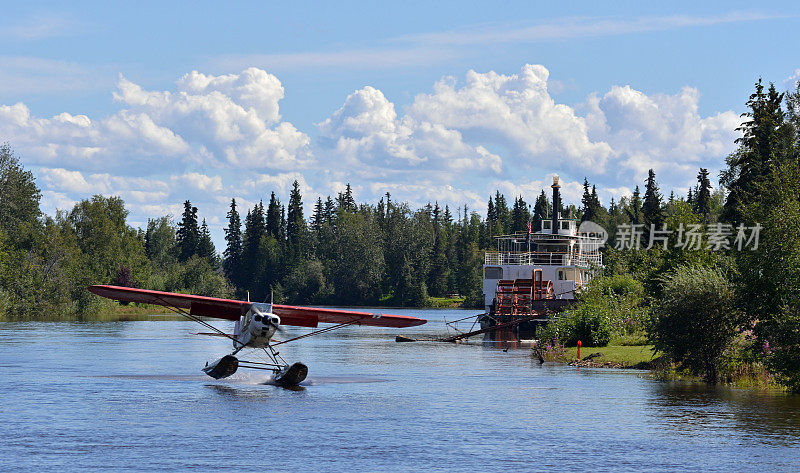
108,312
642,357
445,303
626,356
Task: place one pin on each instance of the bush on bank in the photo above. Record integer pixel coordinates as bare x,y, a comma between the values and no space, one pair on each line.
611,306
696,319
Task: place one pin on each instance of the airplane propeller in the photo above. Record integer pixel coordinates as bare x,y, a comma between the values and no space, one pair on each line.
267,320
278,328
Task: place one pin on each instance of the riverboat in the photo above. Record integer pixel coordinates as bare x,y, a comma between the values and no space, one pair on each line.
532,275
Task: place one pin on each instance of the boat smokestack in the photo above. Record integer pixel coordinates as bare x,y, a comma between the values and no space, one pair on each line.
556,203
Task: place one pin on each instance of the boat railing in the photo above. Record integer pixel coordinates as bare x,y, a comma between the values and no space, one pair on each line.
541,258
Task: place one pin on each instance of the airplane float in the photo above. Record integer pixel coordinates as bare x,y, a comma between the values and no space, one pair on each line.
255,325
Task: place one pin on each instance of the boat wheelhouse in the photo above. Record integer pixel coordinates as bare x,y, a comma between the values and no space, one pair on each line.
540,271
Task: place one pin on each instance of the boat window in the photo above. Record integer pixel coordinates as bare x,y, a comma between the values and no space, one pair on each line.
492,272
562,275
565,225
546,224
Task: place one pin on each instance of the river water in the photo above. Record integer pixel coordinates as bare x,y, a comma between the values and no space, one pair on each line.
129,396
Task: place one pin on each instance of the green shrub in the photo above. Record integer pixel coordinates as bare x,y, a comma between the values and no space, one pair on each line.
586,323
696,320
632,340
195,276
609,307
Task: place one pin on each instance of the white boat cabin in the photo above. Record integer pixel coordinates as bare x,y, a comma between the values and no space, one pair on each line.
565,256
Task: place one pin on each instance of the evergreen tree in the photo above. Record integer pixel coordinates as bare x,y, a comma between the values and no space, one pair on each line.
600,212
541,210
652,207
381,214
252,256
437,213
205,247
282,229
428,209
345,201
765,141
491,215
330,211
586,201
703,200
233,251
520,215
591,208
634,209
318,217
792,99
295,224
273,217
188,234
503,214
439,271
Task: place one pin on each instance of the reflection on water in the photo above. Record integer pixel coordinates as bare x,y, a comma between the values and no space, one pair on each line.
248,393
687,408
322,380
103,396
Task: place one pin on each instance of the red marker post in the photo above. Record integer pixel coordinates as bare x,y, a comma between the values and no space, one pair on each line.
579,350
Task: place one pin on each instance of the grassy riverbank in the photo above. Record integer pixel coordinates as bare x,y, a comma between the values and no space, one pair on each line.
734,373
107,312
639,357
445,302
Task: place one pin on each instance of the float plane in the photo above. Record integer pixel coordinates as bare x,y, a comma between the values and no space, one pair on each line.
255,325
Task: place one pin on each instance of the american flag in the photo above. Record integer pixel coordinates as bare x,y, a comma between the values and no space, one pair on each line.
528,236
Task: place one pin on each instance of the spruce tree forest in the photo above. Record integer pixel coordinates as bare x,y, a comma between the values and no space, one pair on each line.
691,304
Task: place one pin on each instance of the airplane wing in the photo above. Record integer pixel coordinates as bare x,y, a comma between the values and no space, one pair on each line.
196,305
231,309
336,316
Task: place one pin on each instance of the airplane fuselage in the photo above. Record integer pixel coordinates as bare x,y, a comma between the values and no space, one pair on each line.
256,327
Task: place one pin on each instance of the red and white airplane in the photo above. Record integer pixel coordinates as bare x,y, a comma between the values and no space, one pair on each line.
256,323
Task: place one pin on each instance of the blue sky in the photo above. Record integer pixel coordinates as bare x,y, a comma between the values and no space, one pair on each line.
432,101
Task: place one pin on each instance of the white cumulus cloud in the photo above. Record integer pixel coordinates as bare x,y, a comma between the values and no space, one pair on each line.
218,121
366,130
663,132
462,129
515,112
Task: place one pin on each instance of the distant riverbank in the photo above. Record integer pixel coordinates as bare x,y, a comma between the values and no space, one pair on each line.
107,313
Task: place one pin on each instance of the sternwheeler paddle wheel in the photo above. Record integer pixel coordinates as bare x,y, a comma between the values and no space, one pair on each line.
514,297
516,300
